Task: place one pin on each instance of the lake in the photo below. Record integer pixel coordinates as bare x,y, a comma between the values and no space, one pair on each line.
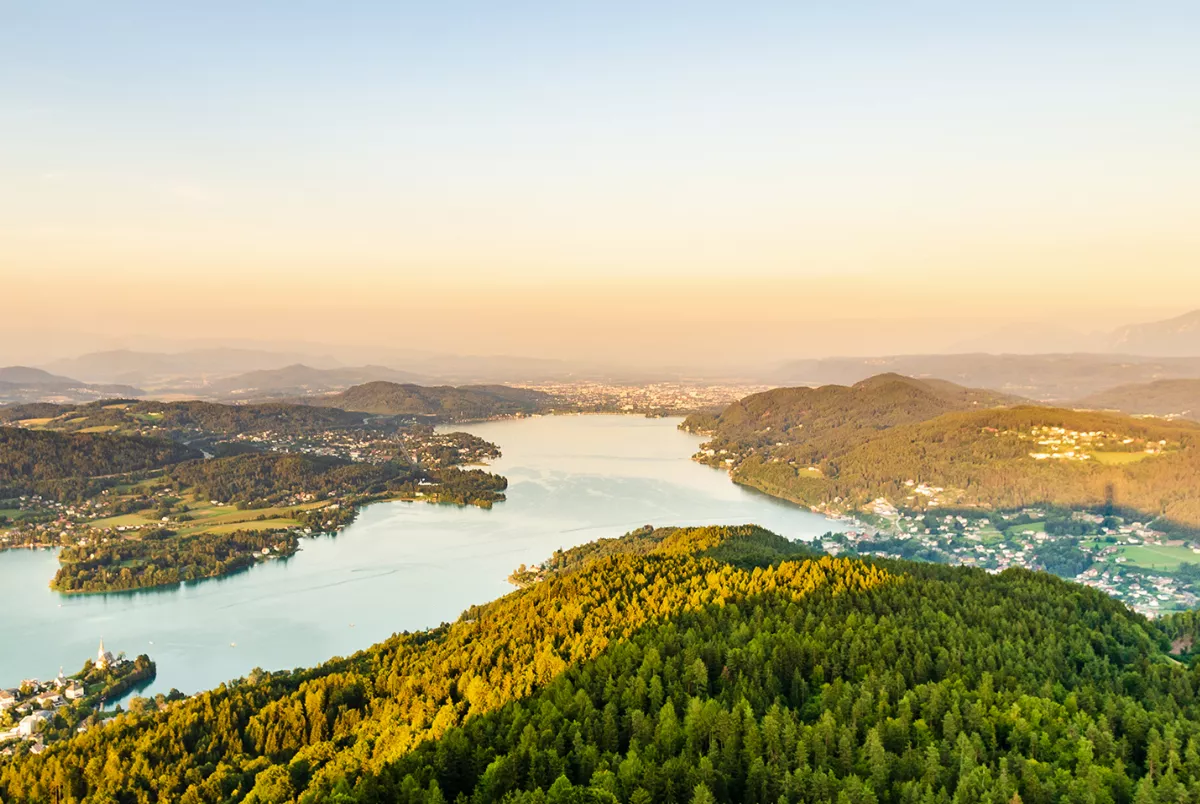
399,567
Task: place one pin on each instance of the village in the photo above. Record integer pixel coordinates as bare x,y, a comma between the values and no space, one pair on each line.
1149,570
1060,443
37,713
36,521
656,399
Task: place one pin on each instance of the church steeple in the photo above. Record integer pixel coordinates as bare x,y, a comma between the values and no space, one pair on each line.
103,657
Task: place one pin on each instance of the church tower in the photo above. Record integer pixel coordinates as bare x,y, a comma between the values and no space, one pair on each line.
103,657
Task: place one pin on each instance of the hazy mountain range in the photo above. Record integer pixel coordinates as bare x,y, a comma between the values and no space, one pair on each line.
26,384
1130,355
1040,377
1179,398
1175,337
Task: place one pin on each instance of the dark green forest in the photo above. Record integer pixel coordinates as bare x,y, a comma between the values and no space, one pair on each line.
264,479
31,461
163,558
701,665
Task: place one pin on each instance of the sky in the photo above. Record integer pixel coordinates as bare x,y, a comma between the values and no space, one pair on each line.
640,182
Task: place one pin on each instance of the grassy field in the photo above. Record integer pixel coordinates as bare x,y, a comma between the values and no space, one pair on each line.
1036,527
99,428
34,422
1150,556
209,518
123,520
1119,458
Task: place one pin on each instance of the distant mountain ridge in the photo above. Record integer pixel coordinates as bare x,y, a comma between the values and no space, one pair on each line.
300,379
24,384
1051,377
154,368
1179,398
1174,337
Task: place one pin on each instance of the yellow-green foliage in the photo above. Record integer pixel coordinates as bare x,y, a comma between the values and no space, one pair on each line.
648,669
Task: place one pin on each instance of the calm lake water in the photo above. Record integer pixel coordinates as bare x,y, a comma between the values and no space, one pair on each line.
400,566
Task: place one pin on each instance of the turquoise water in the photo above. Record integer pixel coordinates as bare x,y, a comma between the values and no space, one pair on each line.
400,566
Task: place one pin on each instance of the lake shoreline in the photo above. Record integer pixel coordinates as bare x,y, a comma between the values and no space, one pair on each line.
572,479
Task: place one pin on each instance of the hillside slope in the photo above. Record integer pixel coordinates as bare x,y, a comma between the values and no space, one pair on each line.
22,384
29,458
1174,398
838,449
442,401
299,380
816,422
676,675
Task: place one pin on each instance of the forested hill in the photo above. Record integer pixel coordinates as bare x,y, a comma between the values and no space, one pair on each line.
709,667
1162,398
28,458
922,445
175,418
831,417
442,401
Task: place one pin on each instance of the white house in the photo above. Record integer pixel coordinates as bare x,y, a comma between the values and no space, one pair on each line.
32,724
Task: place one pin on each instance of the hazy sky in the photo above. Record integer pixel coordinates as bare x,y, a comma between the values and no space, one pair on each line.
596,179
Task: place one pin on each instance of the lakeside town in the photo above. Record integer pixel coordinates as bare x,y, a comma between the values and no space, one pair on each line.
1149,570
37,713
655,399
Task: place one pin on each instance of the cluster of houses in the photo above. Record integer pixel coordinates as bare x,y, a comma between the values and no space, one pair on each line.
1059,443
36,702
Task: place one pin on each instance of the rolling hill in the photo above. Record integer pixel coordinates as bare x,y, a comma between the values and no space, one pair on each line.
1170,398
443,401
169,368
823,420
29,458
22,385
301,380
701,665
921,446
1048,377
184,420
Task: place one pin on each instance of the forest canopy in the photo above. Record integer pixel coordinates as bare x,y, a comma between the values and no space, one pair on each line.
678,670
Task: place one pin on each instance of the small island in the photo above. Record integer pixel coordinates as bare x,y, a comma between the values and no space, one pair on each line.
38,713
